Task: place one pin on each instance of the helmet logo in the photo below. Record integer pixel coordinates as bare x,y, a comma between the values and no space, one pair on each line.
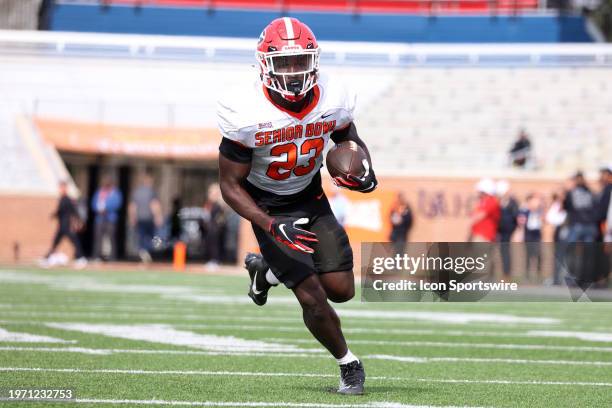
261,36
296,47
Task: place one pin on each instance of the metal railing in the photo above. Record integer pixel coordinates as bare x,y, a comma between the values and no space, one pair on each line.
218,49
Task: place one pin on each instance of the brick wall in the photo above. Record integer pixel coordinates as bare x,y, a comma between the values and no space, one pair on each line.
25,220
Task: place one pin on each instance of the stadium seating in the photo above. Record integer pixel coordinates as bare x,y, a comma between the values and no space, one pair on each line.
19,14
389,26
19,169
468,118
418,118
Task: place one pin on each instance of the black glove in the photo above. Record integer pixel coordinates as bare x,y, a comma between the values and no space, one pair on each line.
363,184
286,230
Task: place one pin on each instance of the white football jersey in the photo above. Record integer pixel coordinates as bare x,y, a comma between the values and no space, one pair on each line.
287,146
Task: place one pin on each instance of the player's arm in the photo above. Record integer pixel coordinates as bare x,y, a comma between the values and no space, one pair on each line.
367,182
234,167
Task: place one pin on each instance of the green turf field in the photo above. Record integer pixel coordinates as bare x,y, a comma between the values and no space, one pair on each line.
155,339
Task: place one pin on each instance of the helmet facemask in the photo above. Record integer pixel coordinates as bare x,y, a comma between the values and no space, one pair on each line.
292,73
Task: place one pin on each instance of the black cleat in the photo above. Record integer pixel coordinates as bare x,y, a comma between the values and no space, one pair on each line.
257,267
352,378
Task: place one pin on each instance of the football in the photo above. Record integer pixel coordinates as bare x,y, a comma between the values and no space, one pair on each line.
346,158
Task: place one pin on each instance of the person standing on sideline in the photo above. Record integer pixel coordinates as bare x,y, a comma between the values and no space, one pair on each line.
66,214
145,215
556,216
106,203
486,215
603,263
580,205
531,219
214,226
401,223
509,211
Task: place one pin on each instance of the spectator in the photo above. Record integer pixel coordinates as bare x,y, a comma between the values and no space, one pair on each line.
603,263
509,211
531,219
145,215
605,179
608,220
520,153
176,227
401,223
339,205
580,205
106,203
557,216
232,232
214,225
68,217
486,215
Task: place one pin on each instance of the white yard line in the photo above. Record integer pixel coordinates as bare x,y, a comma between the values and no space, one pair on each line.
416,359
313,353
513,382
461,345
578,335
18,337
585,336
110,315
447,317
382,404
182,372
295,375
167,334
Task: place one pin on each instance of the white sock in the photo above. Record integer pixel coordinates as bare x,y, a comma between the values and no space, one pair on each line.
348,358
271,278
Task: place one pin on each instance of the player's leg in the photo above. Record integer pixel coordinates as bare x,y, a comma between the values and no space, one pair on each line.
296,271
277,263
319,317
59,234
339,286
323,322
333,257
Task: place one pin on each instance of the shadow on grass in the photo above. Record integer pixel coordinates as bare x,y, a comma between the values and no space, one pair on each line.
371,390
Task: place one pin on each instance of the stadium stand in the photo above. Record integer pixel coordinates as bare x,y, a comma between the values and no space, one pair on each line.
246,19
445,112
19,14
27,166
465,118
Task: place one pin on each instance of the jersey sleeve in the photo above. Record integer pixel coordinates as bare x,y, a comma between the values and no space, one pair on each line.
228,121
235,151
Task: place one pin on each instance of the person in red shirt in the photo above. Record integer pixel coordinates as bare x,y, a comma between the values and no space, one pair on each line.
486,215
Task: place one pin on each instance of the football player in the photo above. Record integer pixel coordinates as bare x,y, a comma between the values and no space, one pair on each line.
274,133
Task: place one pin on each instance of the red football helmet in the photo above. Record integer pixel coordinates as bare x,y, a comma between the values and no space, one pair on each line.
288,55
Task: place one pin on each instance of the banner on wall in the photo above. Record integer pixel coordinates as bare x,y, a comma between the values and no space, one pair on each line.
92,138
